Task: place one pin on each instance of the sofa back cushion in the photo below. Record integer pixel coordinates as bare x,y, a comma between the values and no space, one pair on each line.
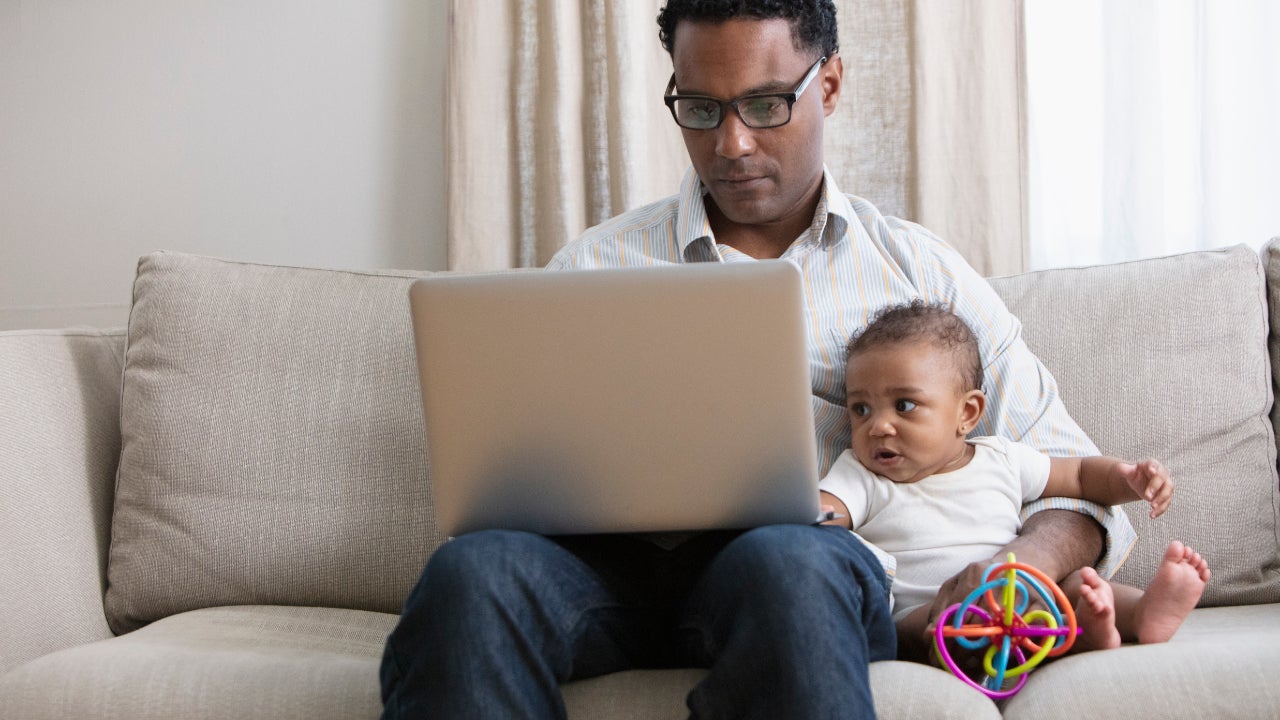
272,442
273,452
1167,358
1271,264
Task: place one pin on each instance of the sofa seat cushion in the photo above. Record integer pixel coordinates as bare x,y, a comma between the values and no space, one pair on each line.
272,450
1220,664
902,691
230,662
1167,358
316,663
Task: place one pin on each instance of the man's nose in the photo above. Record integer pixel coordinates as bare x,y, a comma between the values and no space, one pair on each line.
733,138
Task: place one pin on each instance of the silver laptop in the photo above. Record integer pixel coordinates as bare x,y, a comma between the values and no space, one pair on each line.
660,399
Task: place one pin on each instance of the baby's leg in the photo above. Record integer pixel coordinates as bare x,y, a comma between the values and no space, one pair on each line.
1095,605
1154,616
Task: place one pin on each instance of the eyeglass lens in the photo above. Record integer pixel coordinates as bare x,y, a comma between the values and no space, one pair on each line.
762,111
757,111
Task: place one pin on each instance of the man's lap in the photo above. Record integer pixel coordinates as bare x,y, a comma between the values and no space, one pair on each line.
623,602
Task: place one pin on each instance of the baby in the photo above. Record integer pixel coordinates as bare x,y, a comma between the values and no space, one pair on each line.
914,484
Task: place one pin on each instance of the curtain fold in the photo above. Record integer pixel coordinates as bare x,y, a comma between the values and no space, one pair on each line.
556,122
931,126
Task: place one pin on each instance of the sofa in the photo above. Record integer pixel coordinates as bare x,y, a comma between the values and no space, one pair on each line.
217,511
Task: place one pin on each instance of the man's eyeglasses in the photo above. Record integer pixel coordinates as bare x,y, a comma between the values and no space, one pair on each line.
698,112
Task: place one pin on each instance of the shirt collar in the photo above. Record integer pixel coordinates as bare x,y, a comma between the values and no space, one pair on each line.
692,224
831,219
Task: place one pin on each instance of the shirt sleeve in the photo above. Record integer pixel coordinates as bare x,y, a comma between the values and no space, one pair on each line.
1031,467
849,482
1023,402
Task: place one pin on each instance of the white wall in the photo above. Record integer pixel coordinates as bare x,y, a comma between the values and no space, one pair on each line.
302,132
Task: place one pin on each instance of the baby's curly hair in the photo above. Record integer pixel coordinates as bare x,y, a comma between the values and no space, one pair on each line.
813,22
931,322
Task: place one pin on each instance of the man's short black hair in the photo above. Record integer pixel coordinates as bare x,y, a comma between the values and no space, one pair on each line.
927,322
813,22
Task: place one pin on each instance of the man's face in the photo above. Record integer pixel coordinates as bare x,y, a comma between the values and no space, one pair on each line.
755,176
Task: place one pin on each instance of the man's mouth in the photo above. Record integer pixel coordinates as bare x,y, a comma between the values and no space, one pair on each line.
741,180
738,174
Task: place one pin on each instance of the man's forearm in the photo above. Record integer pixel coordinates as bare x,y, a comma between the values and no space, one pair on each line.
1058,542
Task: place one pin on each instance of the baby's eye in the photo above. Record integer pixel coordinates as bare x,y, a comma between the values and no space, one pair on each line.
905,406
860,409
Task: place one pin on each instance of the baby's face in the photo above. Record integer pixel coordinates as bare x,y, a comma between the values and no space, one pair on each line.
907,410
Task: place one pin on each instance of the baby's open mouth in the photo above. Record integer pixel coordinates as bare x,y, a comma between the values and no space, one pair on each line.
883,454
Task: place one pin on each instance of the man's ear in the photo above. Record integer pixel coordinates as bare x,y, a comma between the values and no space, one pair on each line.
831,77
971,411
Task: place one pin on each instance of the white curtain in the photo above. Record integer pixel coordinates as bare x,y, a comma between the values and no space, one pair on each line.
555,122
1154,127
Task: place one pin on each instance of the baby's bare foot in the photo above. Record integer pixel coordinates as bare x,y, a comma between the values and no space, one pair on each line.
1172,595
1096,613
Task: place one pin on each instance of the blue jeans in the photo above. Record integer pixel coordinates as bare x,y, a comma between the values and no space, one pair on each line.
786,617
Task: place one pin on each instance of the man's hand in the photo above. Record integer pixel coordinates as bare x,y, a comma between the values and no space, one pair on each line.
1057,542
915,639
1150,480
958,587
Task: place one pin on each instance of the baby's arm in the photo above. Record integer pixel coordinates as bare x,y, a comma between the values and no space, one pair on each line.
1108,481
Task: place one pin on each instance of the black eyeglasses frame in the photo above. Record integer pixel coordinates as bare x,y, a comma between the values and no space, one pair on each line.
789,98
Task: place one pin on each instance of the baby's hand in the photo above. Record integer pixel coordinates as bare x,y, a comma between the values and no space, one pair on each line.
1150,480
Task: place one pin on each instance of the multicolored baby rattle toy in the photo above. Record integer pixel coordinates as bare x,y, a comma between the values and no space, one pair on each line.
1005,630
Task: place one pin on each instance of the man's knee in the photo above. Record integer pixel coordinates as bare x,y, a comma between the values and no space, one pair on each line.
466,553
808,587
477,564
785,546
792,559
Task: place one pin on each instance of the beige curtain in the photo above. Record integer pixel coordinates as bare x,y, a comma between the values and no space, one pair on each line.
931,125
555,122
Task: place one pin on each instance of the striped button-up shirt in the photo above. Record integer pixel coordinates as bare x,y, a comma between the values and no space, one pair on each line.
855,261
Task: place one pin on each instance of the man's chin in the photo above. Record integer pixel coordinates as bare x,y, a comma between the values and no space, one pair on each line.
747,210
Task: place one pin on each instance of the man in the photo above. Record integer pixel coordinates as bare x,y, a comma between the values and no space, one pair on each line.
785,618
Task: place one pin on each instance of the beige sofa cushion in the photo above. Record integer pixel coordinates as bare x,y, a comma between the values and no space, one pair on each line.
237,662
1220,664
59,400
273,452
317,663
901,690
1271,262
272,442
1168,358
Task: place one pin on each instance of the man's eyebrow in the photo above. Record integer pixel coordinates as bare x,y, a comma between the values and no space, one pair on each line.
770,88
773,88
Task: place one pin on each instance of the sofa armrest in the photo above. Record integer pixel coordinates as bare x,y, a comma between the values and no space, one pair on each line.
59,445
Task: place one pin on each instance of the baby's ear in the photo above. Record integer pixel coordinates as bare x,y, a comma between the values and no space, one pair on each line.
974,403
